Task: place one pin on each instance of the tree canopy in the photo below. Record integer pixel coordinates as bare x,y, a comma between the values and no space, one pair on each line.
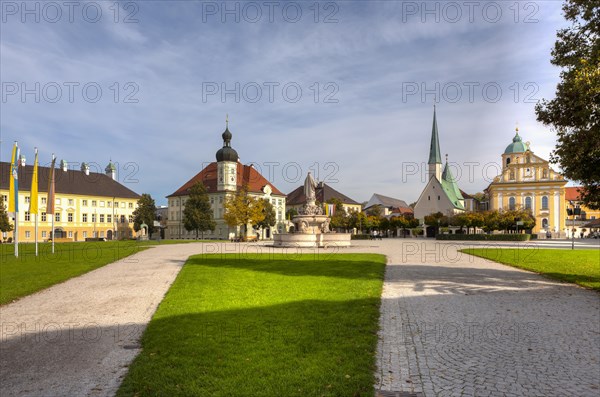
198,214
5,225
574,113
145,213
270,218
242,209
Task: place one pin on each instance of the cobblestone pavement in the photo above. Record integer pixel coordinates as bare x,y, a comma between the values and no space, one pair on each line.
456,325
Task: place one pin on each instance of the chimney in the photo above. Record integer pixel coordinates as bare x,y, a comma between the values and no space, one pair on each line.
64,165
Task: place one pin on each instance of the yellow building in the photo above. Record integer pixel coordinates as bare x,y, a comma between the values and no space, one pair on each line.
88,204
528,182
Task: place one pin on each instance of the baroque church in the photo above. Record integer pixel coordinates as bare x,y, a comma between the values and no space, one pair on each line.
441,193
222,179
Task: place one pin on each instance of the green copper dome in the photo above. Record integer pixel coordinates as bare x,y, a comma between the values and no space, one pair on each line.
517,145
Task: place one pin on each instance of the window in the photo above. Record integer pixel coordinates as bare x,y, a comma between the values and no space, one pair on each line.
593,217
44,234
43,200
511,176
109,218
428,197
109,204
101,218
102,233
84,203
101,203
130,218
94,218
122,218
57,217
94,203
70,217
84,234
70,234
221,200
544,223
83,217
71,202
130,205
123,205
438,198
27,234
527,203
27,199
57,201
27,216
511,203
116,204
507,160
43,217
545,173
545,202
4,197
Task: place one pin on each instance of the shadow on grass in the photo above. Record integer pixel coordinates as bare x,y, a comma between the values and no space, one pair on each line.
295,265
279,350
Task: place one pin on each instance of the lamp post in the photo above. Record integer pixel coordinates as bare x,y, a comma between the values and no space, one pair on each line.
573,212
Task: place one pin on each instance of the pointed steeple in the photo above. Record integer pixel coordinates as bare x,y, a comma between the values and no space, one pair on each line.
434,148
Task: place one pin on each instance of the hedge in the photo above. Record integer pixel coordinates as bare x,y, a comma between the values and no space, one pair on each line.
486,237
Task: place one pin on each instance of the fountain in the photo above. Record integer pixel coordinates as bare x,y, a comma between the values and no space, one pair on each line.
311,226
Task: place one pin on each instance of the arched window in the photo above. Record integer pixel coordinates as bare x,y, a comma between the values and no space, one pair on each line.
545,223
511,203
545,202
507,160
527,203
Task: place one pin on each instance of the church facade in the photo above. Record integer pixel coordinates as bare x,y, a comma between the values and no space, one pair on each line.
527,181
222,179
441,193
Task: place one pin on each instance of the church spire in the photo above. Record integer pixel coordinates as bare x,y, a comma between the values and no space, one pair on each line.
434,148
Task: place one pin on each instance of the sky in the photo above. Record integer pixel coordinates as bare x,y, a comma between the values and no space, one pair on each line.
344,89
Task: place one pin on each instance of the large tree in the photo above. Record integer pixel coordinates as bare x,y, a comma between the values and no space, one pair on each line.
339,219
198,214
242,209
575,111
5,225
270,218
145,213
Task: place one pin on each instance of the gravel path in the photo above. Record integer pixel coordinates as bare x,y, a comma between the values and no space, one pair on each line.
77,338
451,325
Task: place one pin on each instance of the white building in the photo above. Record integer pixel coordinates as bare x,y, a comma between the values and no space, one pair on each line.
222,179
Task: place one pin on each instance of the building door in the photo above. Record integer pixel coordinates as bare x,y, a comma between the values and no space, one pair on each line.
109,235
431,231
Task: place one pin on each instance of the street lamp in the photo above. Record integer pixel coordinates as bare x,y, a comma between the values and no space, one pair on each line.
573,212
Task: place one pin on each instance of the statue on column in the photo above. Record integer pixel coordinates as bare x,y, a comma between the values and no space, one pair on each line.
310,208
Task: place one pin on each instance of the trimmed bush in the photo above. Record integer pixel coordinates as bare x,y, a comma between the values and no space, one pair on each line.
485,237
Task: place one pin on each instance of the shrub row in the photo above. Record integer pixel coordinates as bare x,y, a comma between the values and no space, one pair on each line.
486,237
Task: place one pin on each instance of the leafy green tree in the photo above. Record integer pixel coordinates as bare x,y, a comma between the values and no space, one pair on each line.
491,221
575,111
436,219
5,225
340,219
375,211
270,215
198,214
292,212
145,213
242,209
357,220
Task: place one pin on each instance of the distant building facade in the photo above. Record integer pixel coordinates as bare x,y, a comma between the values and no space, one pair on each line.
527,181
323,192
389,206
441,193
88,204
584,223
222,179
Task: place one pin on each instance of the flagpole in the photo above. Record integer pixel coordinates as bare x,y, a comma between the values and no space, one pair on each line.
36,235
33,199
16,164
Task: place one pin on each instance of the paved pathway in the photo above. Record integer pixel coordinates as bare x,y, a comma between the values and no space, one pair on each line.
77,338
451,325
456,325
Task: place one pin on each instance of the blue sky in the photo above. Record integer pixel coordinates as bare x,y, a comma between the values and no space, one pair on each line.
368,73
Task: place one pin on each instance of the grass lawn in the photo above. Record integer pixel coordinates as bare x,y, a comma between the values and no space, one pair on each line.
27,274
264,325
575,266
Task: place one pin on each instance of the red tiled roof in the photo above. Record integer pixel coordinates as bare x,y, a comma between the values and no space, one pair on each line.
572,193
208,176
402,210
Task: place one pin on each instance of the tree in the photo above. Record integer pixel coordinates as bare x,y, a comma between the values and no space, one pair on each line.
339,219
575,111
269,213
357,220
436,219
198,214
5,225
375,211
292,212
242,209
145,213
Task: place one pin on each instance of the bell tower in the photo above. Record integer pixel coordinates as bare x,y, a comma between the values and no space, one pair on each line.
227,161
